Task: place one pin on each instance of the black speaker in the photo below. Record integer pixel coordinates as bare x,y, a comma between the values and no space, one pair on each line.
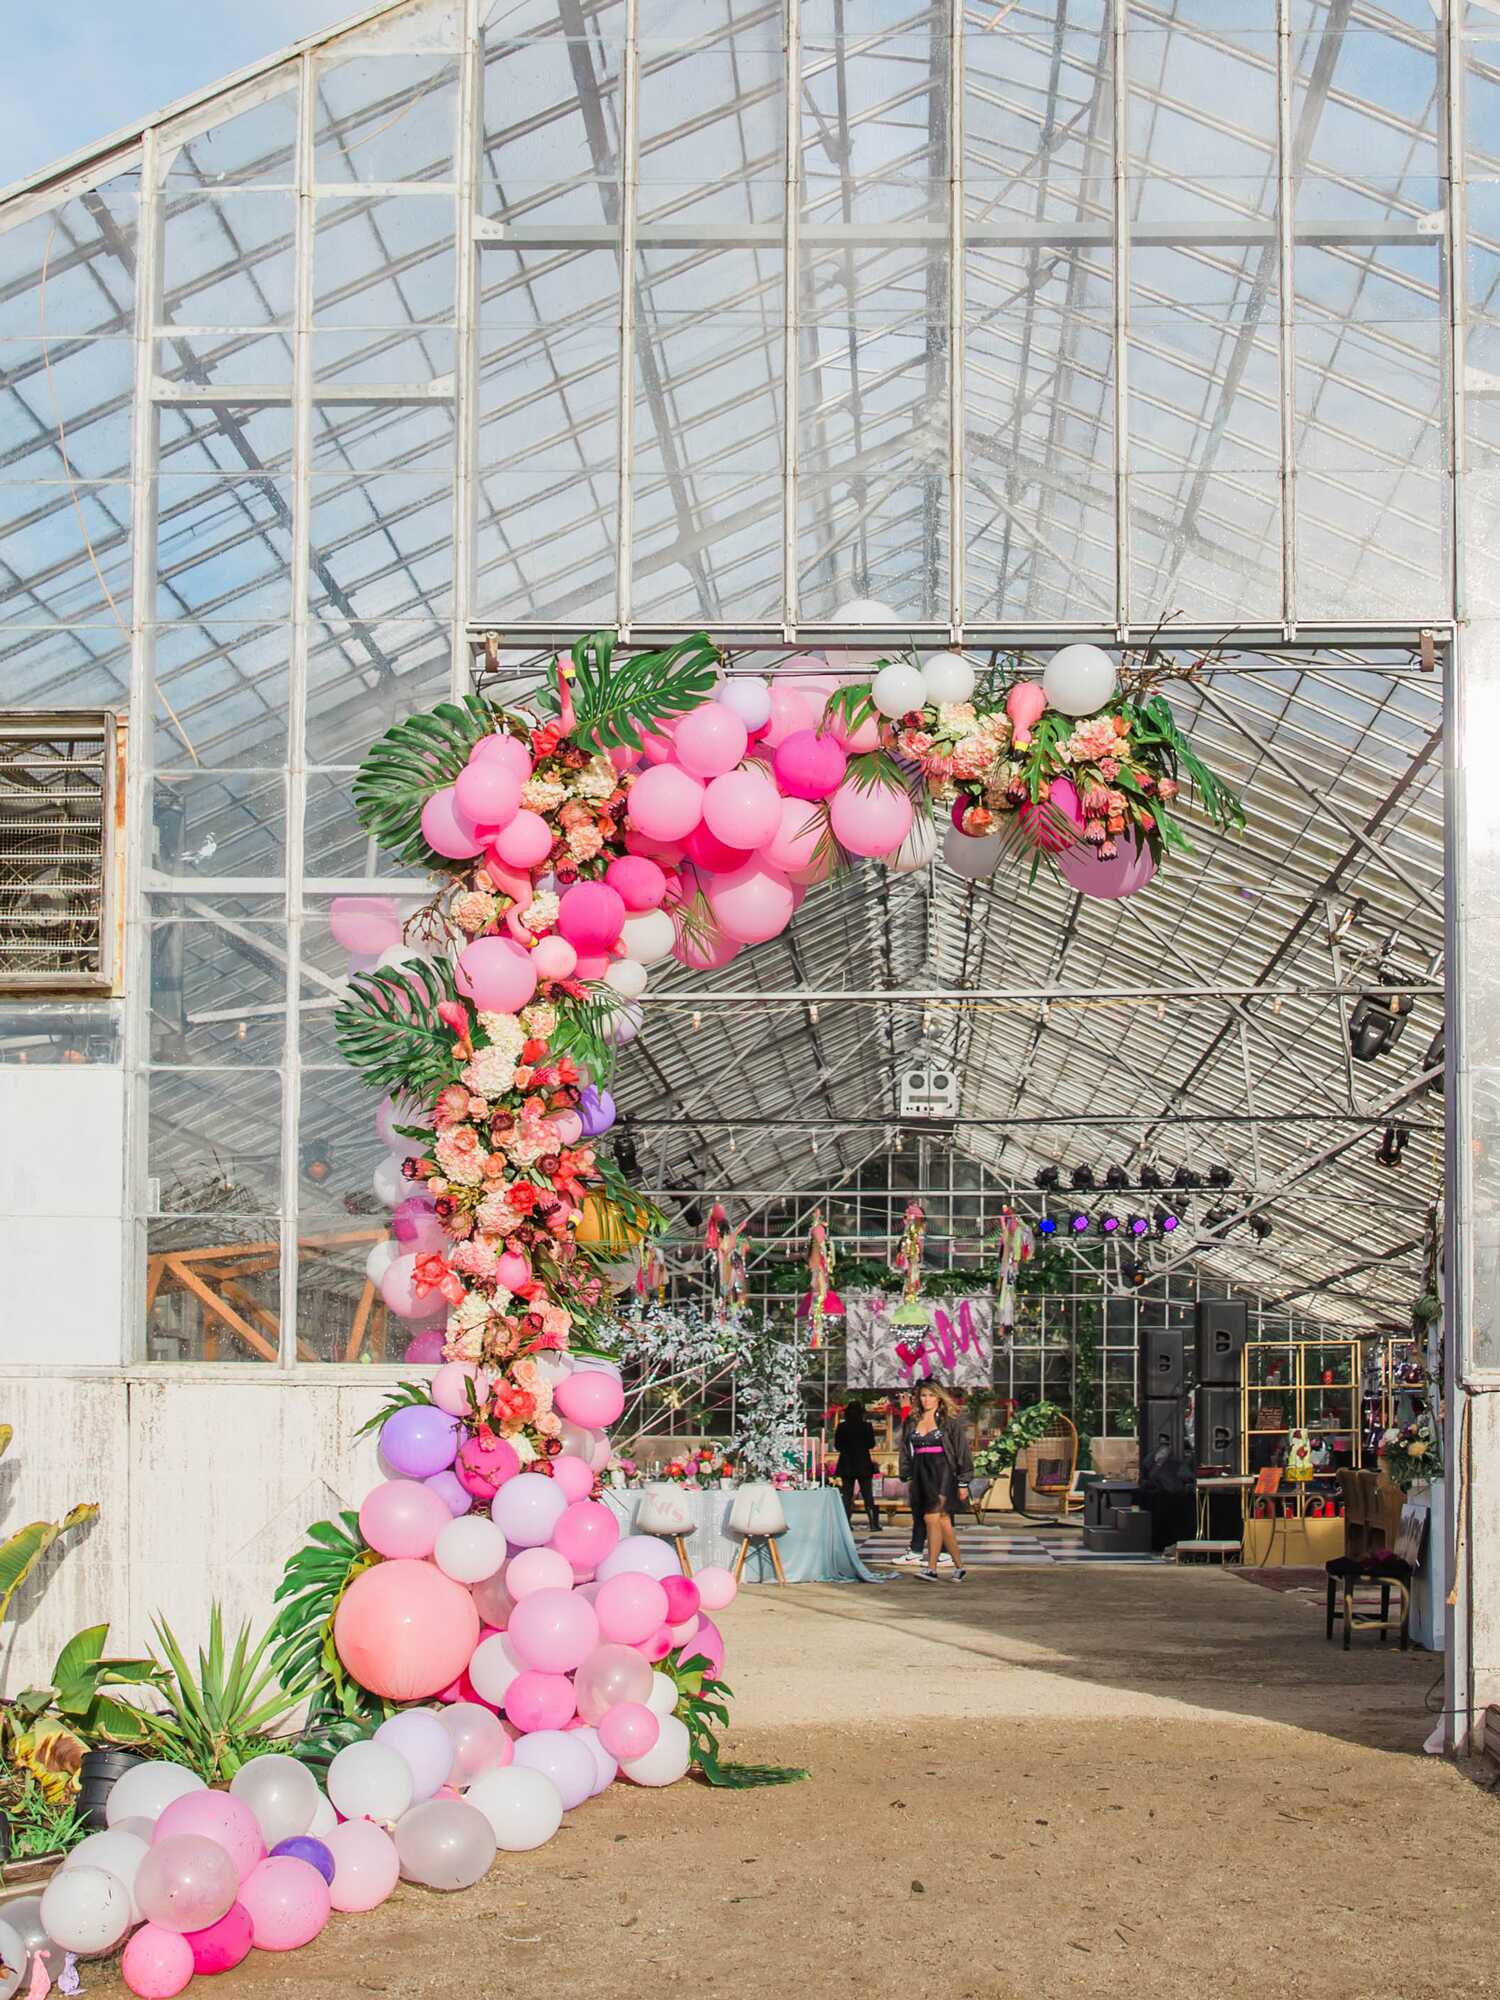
1162,1427
1216,1428
1222,1330
1162,1361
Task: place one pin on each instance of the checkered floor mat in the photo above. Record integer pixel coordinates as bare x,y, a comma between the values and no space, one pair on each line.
1027,1544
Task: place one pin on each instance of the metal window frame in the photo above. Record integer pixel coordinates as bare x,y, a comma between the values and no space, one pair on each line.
105,727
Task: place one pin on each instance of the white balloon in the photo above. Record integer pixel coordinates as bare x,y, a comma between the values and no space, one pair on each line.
662,1700
370,1781
623,1023
863,611
918,848
388,1181
86,1910
605,1766
469,1549
552,1367
649,938
13,1954
397,955
897,689
282,1794
118,1854
324,1820
1079,679
492,1668
646,1555
972,855
381,1257
523,1807
668,1758
748,696
627,977
146,1790
948,677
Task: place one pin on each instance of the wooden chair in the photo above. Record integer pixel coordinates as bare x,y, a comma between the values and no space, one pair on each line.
1050,1463
1353,1497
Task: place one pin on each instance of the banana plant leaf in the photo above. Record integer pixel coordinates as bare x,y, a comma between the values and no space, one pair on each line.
21,1553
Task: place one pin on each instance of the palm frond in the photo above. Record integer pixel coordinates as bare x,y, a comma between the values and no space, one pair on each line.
402,1397
614,701
703,1702
875,770
417,757
1223,806
848,707
582,1032
388,1029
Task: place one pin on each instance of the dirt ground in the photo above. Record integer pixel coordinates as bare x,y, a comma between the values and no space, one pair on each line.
1035,1785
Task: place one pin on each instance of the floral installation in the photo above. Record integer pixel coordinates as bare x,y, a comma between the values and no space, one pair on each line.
704,1467
1412,1451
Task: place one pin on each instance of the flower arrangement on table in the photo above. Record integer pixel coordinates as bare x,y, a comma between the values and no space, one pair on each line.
704,1467
1412,1451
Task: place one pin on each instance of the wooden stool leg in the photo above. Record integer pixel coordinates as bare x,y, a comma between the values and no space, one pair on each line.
1385,1609
1348,1614
776,1559
682,1555
1328,1628
739,1561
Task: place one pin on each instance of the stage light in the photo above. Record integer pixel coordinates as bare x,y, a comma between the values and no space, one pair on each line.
1437,1054
1150,1178
1117,1179
1220,1177
1165,1221
1081,1180
1377,1024
1139,1226
1080,1223
1047,1226
1185,1178
1260,1227
1109,1224
1215,1217
316,1165
1393,1143
1136,1273
1048,1178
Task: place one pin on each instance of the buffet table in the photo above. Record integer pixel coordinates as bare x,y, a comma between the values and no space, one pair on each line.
816,1548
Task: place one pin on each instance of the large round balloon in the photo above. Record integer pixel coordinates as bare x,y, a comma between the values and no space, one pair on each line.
404,1630
1079,679
1130,868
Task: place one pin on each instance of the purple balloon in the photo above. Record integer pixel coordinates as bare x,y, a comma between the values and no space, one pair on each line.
1131,869
596,1111
420,1440
302,1847
426,1346
450,1490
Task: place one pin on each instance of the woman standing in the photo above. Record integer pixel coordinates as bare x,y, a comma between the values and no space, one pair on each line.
854,1441
936,1464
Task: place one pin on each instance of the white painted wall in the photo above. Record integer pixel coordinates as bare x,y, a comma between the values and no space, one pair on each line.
207,1480
62,1154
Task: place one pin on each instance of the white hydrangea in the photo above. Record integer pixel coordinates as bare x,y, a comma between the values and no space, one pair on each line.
503,1031
542,795
490,1072
540,914
597,779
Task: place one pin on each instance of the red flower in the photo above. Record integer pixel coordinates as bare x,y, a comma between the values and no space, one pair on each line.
522,1198
532,1050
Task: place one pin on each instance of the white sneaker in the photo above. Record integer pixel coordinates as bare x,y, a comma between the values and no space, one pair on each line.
945,1561
909,1559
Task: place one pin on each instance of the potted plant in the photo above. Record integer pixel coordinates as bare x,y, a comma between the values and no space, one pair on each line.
35,1831
215,1717
72,1736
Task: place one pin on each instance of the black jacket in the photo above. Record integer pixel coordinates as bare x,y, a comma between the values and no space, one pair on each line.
853,1443
955,1441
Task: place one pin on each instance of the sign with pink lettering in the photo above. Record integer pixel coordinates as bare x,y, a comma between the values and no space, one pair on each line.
954,1350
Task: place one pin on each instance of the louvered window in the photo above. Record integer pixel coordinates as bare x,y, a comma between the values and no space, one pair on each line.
58,791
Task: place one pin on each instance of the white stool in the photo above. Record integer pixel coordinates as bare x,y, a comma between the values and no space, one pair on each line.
665,1510
758,1516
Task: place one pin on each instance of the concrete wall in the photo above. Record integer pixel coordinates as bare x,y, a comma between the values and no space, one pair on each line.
206,1480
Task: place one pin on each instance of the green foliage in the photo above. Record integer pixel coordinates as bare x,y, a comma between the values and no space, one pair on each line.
582,1032
76,1697
614,701
388,1029
1025,1427
1153,724
21,1552
703,1702
414,759
311,1589
402,1397
219,1714
38,1825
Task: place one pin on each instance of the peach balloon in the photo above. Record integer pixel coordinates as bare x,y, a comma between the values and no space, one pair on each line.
404,1630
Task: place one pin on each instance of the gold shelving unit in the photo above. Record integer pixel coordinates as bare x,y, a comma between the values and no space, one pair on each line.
1287,1385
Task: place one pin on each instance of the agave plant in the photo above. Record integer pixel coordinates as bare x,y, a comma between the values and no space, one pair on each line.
21,1552
219,1715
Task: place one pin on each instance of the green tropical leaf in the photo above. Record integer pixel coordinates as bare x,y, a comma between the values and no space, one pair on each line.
402,1397
312,1586
614,701
7,1432
875,770
80,1658
703,1701
388,1029
848,707
582,1032
20,1555
416,758
1223,806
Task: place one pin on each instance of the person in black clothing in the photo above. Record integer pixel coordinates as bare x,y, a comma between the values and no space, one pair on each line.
935,1461
854,1441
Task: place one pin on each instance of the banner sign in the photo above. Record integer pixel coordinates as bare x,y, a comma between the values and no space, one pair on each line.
953,1351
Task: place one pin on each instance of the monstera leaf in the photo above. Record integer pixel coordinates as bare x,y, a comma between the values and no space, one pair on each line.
388,1029
615,700
416,758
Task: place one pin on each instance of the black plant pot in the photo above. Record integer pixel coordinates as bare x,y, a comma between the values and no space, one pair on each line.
97,1776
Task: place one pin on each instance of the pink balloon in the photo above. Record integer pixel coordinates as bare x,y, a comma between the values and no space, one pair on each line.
415,1225
493,1602
398,1290
558,1755
683,1598
404,1630
574,1477
365,1864
157,1963
451,1384
553,1631
590,1397
185,1882
523,841
531,1570
479,1741
716,1587
1025,705
287,1902
790,712
629,1729
637,881
554,958
1131,869
537,1700
809,766
485,1463
224,1945
666,854
365,925
527,1510
656,747
443,832
657,1646
705,955
861,739
496,974
743,808
401,1517
426,1348
796,839
568,1126
706,850
227,1822
1053,824
665,803
611,1674
593,965
513,1269
487,792
708,1641
509,751
874,820
586,1533
752,904
590,916
710,740
630,1608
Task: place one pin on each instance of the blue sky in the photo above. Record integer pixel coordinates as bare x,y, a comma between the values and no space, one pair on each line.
78,71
